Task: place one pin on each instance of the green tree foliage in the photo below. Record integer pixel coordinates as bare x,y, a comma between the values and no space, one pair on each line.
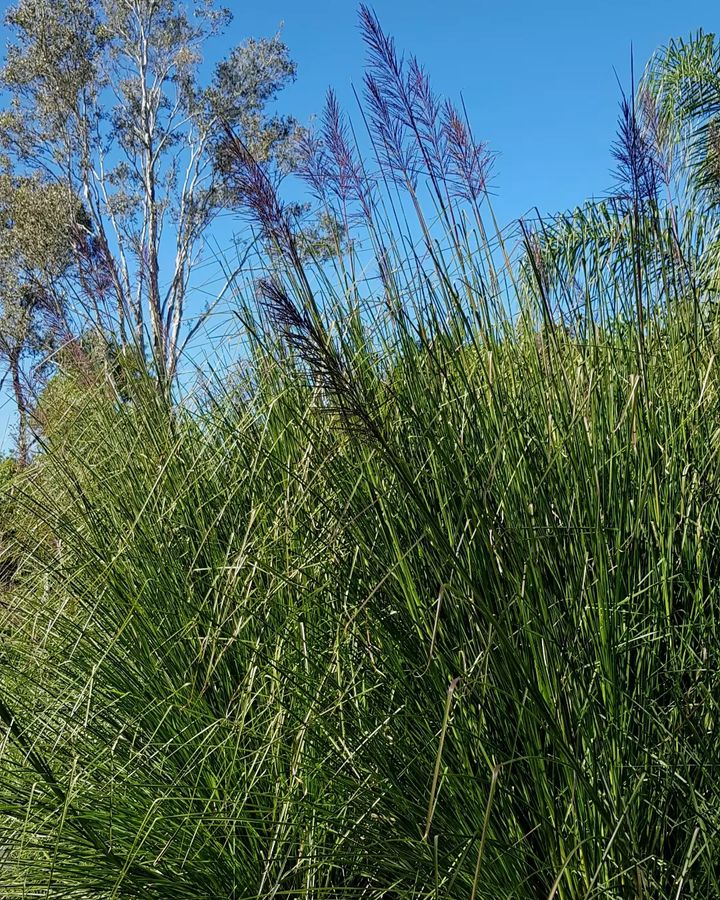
37,219
683,80
683,85
107,99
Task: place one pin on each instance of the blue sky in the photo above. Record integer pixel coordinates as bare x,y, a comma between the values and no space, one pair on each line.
538,79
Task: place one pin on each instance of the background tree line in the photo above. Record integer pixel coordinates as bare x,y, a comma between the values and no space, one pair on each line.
112,173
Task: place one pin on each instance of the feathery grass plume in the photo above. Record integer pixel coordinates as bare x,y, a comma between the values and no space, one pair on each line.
426,120
344,175
469,161
390,105
638,168
312,343
348,180
100,284
416,130
538,255
398,158
313,165
329,165
254,192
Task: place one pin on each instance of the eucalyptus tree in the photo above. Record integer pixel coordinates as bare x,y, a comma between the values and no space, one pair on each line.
108,98
37,225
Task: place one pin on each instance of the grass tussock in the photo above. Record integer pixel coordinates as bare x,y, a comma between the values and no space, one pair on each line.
424,604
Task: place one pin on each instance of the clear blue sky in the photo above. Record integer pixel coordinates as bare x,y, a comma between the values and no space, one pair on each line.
537,77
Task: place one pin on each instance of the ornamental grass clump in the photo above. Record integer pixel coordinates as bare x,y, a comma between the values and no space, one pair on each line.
424,604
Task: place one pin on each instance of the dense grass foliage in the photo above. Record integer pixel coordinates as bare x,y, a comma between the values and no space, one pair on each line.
425,605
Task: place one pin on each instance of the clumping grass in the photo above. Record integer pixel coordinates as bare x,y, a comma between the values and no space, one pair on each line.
424,604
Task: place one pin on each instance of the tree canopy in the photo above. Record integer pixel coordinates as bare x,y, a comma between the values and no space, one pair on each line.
107,99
